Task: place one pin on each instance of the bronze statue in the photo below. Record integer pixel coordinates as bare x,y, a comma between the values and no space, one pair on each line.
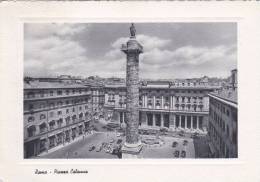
132,30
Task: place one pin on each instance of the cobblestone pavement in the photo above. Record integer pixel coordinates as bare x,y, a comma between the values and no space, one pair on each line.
80,149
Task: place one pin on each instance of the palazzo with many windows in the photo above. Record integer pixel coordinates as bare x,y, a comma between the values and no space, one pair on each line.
163,105
55,113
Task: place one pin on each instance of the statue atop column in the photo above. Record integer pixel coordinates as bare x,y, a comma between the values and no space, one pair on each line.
132,30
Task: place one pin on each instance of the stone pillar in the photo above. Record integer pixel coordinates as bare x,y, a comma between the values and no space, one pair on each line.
153,119
185,122
191,122
162,103
132,49
153,102
162,120
145,100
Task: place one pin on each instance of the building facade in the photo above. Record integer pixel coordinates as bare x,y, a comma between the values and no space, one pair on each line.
174,106
55,113
223,121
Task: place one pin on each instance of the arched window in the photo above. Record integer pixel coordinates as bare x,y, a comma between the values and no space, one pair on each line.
42,116
60,103
43,127
31,131
86,114
74,117
80,115
52,124
30,119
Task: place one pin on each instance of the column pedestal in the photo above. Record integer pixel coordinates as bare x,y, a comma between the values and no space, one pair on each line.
131,151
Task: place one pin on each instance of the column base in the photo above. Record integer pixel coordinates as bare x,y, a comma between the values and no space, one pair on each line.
131,151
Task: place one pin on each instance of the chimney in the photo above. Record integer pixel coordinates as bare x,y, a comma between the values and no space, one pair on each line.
234,78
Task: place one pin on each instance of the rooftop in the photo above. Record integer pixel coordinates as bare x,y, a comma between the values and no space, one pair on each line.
46,85
229,94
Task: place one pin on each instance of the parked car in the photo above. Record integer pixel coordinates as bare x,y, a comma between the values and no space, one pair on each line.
91,148
183,154
174,144
119,141
176,153
99,149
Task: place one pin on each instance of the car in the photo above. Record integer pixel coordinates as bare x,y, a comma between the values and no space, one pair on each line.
176,153
111,141
183,154
119,141
91,148
99,149
174,144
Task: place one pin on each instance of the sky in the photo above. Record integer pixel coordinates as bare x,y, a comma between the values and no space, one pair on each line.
171,50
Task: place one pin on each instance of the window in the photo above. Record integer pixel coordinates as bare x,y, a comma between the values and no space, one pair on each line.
150,119
73,109
80,115
51,114
52,124
42,116
59,112
227,112
67,111
67,92
227,130
86,106
67,102
30,106
31,95
42,94
59,92
59,122
80,108
43,128
31,131
52,105
51,93
60,103
30,119
42,106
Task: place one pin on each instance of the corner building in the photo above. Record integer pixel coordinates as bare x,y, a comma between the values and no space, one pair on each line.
56,113
223,121
162,104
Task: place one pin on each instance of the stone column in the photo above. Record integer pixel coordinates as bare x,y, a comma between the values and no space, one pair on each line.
132,49
162,120
185,122
191,122
154,102
153,119
162,103
145,101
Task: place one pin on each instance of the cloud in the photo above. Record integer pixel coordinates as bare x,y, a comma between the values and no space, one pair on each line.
148,42
43,30
187,55
54,49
